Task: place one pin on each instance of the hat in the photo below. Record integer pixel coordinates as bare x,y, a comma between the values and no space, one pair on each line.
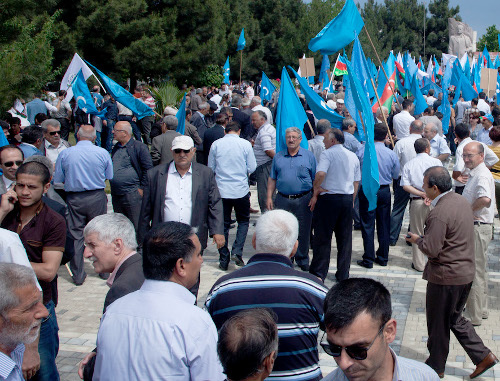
489,117
182,142
340,100
330,103
170,111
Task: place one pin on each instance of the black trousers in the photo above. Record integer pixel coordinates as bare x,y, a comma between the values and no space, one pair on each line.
332,214
444,306
129,204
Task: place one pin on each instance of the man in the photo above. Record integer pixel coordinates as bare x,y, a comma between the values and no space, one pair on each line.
161,149
232,160
43,234
11,157
256,105
429,117
110,245
53,143
63,114
483,133
147,121
439,147
21,314
335,188
448,242
317,145
349,128
480,193
269,280
292,174
216,132
405,150
401,122
196,100
190,130
264,148
31,141
412,182
83,169
165,310
482,105
430,98
246,107
131,161
247,132
198,120
110,119
358,320
388,167
340,106
37,106
248,345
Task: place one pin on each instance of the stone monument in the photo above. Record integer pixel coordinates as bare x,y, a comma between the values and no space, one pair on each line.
462,39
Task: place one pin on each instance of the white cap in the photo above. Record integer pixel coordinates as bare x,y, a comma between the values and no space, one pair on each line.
330,103
182,142
341,101
170,111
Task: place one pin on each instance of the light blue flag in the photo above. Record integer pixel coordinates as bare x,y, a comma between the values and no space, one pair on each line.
83,97
323,74
428,84
226,71
445,107
419,102
498,39
496,63
360,67
266,88
140,109
181,117
467,70
241,41
317,104
369,172
350,105
339,32
289,112
3,140
498,89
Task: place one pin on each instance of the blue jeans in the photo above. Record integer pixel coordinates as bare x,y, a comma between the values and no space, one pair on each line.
109,138
401,198
48,347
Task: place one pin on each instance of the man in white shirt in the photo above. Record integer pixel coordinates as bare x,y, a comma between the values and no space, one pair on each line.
317,144
256,105
439,147
401,122
178,340
53,143
482,105
431,98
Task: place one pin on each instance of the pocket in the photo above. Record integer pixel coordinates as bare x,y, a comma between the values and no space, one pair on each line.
303,172
34,243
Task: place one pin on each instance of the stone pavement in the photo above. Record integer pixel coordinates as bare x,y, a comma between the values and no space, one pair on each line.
80,308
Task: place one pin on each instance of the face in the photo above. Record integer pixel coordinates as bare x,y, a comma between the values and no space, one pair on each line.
29,189
329,141
257,120
193,267
486,124
183,159
352,129
293,140
362,332
102,255
120,133
53,135
428,133
472,157
431,192
11,160
21,324
340,106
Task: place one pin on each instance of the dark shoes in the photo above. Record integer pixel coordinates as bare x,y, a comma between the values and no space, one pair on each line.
413,267
238,260
304,267
79,282
484,365
380,263
365,264
222,267
393,243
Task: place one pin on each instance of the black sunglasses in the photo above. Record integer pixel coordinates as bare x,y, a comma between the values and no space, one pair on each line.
178,150
9,164
354,351
54,132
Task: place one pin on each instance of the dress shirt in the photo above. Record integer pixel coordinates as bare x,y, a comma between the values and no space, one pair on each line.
483,135
293,174
401,124
490,159
461,107
11,366
52,152
83,167
122,110
342,170
430,100
266,111
265,141
405,150
316,146
413,172
388,163
178,202
481,184
232,159
63,110
350,142
112,276
177,340
483,106
439,146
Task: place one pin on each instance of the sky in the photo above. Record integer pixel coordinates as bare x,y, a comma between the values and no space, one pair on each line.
478,14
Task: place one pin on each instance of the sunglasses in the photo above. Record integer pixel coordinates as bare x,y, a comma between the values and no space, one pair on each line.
356,352
52,133
178,150
9,164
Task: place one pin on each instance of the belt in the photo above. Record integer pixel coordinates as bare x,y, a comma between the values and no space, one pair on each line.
294,196
495,170
479,223
384,186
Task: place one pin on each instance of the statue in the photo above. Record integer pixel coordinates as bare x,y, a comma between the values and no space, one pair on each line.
461,38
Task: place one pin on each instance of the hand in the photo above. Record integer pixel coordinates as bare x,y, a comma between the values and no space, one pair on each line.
104,122
312,203
219,240
141,191
427,201
269,204
84,362
463,179
413,237
31,362
8,201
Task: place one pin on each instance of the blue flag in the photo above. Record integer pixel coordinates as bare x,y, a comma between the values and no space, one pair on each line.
266,88
369,171
498,89
140,109
3,140
445,107
350,105
361,69
317,104
181,117
323,74
340,31
83,97
226,71
289,113
420,103
241,41
428,84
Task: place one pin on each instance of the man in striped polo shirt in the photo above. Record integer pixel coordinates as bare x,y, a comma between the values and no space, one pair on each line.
269,280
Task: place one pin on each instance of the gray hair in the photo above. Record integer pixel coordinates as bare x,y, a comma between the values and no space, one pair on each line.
203,105
294,129
42,160
112,226
346,123
90,135
384,109
13,277
323,125
236,100
276,232
417,126
262,114
127,126
432,126
49,122
171,122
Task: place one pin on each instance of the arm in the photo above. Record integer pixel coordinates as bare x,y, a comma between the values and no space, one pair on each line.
52,108
108,170
320,177
215,213
31,359
356,187
155,152
145,216
457,175
433,241
271,187
443,156
47,270
145,163
211,163
270,153
414,191
480,203
251,162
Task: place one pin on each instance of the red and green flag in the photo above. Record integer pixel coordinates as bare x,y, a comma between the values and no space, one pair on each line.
340,67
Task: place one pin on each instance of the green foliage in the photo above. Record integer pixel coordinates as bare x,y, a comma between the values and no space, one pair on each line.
166,94
211,76
437,26
489,39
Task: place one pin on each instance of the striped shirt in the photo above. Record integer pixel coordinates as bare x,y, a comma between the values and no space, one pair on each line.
269,280
10,366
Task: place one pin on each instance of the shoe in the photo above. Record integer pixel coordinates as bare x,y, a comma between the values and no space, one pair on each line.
253,211
238,260
441,375
484,365
365,264
104,276
380,263
79,282
413,267
304,267
222,267
357,227
393,243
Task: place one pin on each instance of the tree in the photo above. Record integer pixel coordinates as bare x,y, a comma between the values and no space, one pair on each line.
489,40
437,35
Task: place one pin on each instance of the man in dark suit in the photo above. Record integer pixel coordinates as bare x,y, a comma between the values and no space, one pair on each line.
214,133
111,245
198,120
161,151
247,130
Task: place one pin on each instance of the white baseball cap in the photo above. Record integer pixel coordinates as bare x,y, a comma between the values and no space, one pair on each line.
182,142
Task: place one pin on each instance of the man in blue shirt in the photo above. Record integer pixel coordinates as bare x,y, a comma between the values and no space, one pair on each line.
388,167
232,160
292,172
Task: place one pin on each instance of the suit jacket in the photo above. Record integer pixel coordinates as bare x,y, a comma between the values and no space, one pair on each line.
43,150
191,131
247,130
3,188
211,135
206,213
161,147
201,127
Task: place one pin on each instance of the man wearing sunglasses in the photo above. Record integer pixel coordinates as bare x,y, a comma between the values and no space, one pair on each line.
359,329
11,157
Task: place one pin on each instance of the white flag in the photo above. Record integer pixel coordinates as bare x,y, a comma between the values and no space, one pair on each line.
463,60
74,67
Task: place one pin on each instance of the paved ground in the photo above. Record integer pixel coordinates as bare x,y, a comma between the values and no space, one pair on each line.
80,308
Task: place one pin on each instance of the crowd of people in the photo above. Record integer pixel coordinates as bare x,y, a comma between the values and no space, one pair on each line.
172,192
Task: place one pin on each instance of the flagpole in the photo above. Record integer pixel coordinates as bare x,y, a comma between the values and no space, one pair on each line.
241,63
385,119
382,66
333,71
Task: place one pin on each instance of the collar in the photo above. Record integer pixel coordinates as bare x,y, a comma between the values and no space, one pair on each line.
173,169
436,200
50,145
28,144
299,153
171,289
84,143
8,363
123,145
319,137
232,135
7,182
112,276
465,141
268,257
479,168
380,143
422,154
203,116
396,371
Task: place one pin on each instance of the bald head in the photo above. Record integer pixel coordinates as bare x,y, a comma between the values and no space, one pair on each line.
416,127
473,154
122,132
86,132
